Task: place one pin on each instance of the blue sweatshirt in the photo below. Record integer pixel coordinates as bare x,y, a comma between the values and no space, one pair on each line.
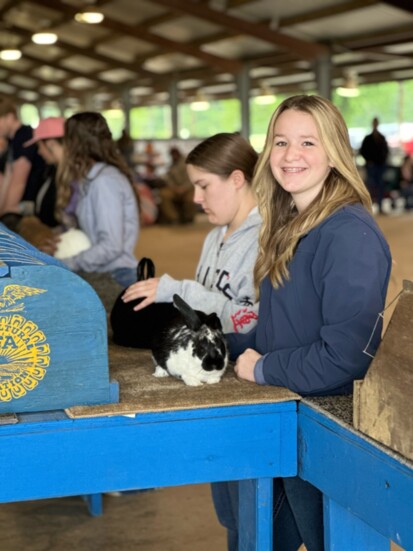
319,330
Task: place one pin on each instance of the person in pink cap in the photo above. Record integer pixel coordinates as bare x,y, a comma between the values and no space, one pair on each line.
49,139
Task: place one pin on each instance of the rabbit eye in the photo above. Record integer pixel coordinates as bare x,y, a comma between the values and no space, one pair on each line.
201,347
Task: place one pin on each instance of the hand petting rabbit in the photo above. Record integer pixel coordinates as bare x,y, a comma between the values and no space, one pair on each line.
192,347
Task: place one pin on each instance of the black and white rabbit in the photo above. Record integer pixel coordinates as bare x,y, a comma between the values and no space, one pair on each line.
192,347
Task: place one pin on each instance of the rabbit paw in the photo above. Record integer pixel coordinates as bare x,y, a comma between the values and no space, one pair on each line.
191,381
160,372
213,380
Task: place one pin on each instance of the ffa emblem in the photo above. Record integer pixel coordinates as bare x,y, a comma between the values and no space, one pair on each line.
24,353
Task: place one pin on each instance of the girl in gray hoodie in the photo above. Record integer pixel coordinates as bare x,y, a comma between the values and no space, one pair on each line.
221,169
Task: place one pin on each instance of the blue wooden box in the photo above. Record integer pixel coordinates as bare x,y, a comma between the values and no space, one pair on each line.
53,334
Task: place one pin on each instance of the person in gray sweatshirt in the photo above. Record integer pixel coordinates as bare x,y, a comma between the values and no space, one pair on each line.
221,169
95,193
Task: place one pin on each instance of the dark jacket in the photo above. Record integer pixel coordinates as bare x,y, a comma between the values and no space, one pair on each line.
315,330
374,149
35,178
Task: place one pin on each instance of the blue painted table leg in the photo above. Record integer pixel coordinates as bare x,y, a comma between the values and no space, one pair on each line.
344,531
94,503
255,514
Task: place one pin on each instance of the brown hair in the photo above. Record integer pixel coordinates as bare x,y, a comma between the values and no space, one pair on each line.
87,139
7,106
283,226
223,153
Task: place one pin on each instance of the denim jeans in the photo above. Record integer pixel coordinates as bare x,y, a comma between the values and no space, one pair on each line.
124,276
297,514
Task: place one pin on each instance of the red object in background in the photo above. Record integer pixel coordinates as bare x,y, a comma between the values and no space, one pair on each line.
408,147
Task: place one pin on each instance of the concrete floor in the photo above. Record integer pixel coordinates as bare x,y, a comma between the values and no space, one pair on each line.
169,519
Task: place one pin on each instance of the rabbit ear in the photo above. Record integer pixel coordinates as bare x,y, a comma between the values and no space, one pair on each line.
145,269
190,316
213,321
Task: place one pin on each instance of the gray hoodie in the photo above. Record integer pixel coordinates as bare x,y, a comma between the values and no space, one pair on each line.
224,277
107,212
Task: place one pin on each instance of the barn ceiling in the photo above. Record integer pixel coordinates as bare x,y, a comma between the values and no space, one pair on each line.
145,48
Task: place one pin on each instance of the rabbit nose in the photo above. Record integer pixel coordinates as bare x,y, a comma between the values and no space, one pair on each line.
213,362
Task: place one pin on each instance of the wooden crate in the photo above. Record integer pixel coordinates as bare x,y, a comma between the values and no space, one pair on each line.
53,334
383,401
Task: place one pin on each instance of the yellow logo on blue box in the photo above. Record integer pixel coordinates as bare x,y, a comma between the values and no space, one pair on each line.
24,352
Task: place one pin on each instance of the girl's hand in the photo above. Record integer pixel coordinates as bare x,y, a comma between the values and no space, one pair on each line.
142,289
244,366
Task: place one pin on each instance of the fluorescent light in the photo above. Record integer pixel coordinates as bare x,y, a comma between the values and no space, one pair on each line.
200,102
90,17
199,105
265,96
348,92
266,99
28,95
10,55
350,87
44,38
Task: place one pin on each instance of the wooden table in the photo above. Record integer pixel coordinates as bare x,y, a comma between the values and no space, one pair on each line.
368,489
49,455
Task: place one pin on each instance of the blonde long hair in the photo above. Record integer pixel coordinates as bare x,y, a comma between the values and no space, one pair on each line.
87,139
283,226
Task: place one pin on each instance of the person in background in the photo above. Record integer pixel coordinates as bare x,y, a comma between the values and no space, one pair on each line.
4,153
406,181
220,169
148,175
49,139
38,228
126,147
322,272
95,185
4,144
374,150
176,195
20,187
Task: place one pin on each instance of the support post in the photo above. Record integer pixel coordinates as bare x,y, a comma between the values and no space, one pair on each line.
323,75
173,101
255,514
243,82
344,531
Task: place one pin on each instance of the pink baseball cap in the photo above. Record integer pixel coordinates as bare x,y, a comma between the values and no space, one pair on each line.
52,127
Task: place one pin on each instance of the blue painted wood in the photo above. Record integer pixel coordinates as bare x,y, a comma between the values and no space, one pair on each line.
4,269
16,251
344,531
114,392
46,417
89,456
53,341
95,504
255,514
374,486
